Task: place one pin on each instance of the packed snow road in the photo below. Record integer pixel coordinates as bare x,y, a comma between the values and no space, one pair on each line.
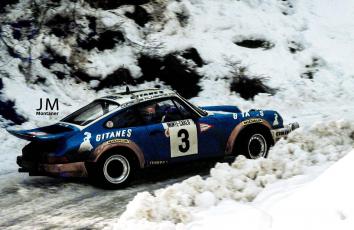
43,202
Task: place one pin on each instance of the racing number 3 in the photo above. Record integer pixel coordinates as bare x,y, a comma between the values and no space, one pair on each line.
184,135
183,138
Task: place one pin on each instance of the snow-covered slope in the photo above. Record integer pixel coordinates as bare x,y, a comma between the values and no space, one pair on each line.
302,48
298,52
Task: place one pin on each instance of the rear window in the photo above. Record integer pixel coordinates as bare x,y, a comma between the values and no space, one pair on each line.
91,112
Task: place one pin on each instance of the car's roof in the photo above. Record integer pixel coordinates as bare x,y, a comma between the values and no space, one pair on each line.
131,97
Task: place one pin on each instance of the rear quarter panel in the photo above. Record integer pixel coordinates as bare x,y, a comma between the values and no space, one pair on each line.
93,137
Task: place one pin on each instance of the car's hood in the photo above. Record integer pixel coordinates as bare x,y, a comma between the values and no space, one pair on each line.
222,108
51,132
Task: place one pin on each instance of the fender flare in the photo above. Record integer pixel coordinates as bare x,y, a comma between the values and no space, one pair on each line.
118,143
237,130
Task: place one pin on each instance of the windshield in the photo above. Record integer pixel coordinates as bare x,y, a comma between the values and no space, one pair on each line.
91,112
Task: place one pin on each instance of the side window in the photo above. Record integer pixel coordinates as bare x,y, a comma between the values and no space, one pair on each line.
159,112
170,111
127,118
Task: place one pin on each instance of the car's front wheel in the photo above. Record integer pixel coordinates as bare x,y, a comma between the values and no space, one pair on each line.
112,171
257,146
253,144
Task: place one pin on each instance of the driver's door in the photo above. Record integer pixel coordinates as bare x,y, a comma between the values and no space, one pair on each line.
174,135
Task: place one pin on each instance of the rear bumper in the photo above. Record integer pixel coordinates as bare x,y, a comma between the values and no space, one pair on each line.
284,132
74,169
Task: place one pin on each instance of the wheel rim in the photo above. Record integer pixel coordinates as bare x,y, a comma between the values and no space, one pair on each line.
257,146
116,169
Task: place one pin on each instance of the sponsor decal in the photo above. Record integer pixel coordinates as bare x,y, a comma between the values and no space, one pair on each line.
109,124
178,123
157,162
114,134
252,121
151,95
173,124
121,141
86,144
145,97
204,127
275,122
282,133
261,113
247,114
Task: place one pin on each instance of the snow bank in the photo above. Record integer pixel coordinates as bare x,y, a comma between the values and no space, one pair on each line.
243,180
313,205
326,203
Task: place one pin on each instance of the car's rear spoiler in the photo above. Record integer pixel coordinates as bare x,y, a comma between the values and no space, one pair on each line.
47,133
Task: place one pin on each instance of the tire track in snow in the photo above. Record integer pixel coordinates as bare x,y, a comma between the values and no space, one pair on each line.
43,203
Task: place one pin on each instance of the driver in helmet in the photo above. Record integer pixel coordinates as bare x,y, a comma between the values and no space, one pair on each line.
155,114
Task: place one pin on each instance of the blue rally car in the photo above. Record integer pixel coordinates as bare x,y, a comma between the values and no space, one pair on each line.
111,138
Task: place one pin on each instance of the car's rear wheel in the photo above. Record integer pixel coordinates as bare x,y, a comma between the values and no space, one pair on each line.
253,144
112,171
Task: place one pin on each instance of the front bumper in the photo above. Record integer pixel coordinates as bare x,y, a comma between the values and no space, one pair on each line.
74,169
284,132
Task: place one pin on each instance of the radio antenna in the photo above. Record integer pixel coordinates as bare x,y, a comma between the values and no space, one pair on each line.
125,79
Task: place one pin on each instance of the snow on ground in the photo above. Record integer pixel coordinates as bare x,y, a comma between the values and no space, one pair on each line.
323,203
326,203
181,204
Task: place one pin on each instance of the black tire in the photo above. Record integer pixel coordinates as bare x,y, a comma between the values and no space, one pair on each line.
112,171
253,144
